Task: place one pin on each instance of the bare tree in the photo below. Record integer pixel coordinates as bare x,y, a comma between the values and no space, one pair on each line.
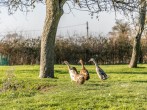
136,45
54,12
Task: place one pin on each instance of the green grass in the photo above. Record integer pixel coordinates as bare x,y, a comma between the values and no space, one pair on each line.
125,89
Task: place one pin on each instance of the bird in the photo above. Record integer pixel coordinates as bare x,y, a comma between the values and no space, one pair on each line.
74,75
102,75
84,71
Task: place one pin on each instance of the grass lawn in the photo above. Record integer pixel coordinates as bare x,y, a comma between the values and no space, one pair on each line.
125,89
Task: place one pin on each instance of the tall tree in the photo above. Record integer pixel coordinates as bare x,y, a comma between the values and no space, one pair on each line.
120,35
121,28
136,45
54,12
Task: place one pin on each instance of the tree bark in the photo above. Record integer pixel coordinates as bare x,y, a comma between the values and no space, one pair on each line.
136,45
135,53
53,15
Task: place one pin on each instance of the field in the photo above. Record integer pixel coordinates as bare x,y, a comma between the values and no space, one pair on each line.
21,89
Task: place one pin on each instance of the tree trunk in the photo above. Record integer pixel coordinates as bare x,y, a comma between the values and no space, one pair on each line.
136,46
53,15
140,56
135,53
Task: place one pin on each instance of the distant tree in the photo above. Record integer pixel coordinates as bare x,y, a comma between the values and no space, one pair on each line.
121,28
120,34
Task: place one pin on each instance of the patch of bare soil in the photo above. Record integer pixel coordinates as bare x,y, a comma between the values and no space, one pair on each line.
45,88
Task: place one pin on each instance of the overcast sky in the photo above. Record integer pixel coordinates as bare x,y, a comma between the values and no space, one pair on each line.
74,22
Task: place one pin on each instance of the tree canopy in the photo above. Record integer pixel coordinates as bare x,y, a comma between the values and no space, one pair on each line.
92,6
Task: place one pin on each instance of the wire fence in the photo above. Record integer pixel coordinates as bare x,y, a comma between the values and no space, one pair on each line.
62,31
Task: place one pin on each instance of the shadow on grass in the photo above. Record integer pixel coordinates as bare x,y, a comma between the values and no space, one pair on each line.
61,72
100,83
96,86
128,72
37,71
91,85
90,72
66,72
139,81
141,67
27,71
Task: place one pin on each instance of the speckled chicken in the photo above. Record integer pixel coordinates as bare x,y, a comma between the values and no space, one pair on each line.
78,78
102,75
84,71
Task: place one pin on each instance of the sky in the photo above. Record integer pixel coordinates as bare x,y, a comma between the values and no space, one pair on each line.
70,23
